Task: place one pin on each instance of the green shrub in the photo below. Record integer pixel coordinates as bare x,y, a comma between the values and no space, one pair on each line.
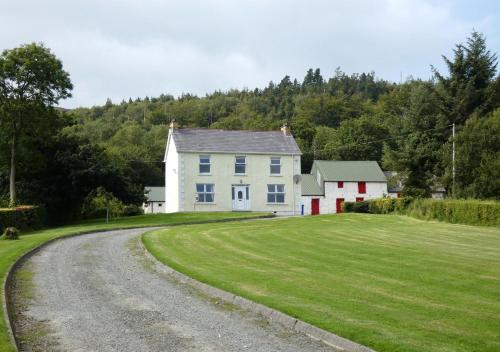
381,206
402,204
348,207
132,210
99,202
473,212
22,217
11,233
389,205
356,207
94,213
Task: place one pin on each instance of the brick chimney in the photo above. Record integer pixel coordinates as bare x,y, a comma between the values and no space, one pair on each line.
286,130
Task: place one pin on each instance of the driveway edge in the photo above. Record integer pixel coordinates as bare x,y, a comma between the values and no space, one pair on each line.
8,309
270,314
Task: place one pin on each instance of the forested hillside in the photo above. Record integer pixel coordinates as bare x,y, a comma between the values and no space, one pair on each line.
405,126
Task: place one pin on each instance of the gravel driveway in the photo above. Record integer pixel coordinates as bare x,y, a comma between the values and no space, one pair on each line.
98,293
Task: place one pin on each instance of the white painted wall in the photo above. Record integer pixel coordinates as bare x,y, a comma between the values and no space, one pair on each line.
223,177
350,190
171,177
153,207
328,203
306,201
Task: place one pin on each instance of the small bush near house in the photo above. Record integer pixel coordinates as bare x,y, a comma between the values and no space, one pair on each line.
348,207
356,207
22,217
132,210
99,202
11,233
382,206
389,205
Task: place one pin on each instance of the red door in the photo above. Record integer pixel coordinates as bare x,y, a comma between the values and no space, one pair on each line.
315,206
340,201
359,199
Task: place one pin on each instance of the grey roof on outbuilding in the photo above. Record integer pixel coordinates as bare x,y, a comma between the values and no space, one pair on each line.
225,141
353,171
309,186
155,194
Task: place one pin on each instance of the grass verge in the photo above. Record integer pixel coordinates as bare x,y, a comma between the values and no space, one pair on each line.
11,251
392,283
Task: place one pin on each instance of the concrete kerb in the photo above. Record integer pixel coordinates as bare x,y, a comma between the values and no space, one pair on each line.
8,309
267,313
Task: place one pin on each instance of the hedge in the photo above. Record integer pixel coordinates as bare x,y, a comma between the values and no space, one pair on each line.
472,212
22,217
357,207
389,205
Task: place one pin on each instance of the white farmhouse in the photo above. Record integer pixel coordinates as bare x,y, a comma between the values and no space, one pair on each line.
331,183
155,200
220,170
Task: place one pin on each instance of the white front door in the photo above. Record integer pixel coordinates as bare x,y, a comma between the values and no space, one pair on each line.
240,197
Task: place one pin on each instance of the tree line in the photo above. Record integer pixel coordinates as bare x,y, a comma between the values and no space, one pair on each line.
61,156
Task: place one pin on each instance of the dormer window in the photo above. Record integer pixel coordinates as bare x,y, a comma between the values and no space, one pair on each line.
204,164
240,165
275,165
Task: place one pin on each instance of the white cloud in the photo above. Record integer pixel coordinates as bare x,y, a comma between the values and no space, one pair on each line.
119,49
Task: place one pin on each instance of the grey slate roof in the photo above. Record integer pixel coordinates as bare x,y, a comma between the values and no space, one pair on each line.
155,194
368,171
224,141
309,186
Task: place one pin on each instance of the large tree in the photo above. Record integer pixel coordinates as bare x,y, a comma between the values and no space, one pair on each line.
32,81
477,158
354,139
416,135
471,86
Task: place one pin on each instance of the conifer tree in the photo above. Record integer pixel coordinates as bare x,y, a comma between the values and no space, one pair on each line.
471,87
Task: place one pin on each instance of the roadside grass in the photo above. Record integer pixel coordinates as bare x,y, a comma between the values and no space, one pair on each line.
10,251
393,283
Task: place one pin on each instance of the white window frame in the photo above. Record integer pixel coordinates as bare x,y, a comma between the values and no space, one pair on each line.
274,158
204,164
273,190
244,164
201,196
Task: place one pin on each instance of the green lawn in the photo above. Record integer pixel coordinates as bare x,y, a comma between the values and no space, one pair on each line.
390,282
10,251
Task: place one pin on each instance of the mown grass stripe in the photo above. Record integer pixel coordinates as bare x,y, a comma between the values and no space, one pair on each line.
392,283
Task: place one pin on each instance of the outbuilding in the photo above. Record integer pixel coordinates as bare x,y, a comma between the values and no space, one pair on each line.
331,183
155,200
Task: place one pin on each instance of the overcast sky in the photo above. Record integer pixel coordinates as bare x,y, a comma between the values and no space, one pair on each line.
122,49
